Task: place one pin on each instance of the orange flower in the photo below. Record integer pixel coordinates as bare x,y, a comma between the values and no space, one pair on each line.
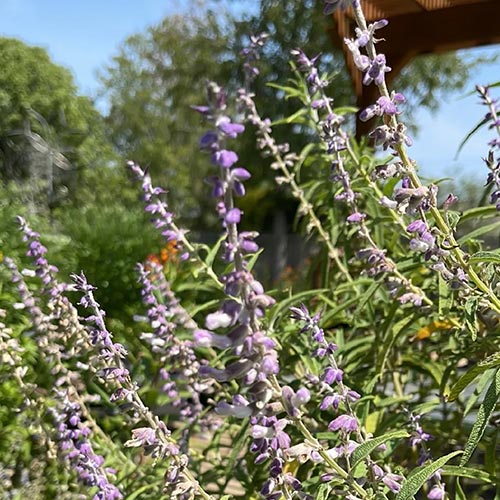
168,251
164,255
153,258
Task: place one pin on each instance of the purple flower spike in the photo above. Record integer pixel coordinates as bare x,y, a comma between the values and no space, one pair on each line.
241,174
393,482
387,106
302,396
376,71
450,200
233,216
384,106
225,158
344,423
208,140
333,375
230,129
417,226
356,217
204,110
204,338
437,492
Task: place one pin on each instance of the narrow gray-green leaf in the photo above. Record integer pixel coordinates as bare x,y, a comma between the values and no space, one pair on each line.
253,259
326,435
366,297
483,415
420,475
460,494
476,212
490,362
483,122
345,110
481,384
485,257
236,447
209,259
363,450
297,117
139,491
445,296
337,310
469,472
323,492
479,232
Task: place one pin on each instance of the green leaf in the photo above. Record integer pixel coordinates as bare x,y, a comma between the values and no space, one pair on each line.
469,472
253,259
348,347
139,491
336,310
363,450
483,122
346,110
491,454
366,297
420,475
460,494
389,186
390,339
289,91
483,415
445,296
452,218
435,370
481,384
237,445
212,253
485,257
323,492
471,305
206,305
326,435
427,407
476,212
297,117
478,232
490,362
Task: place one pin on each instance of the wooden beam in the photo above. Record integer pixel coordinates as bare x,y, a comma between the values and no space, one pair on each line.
433,4
344,28
408,35
442,30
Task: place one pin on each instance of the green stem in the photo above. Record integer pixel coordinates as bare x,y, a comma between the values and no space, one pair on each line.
299,194
329,460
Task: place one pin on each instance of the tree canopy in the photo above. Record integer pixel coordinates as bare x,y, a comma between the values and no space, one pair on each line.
47,130
158,74
150,86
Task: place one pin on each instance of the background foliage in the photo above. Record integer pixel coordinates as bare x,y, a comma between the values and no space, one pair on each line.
92,219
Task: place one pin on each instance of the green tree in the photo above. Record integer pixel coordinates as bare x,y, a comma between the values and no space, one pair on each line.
107,232
158,74
47,130
151,84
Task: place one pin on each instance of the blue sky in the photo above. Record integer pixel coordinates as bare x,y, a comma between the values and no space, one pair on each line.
84,35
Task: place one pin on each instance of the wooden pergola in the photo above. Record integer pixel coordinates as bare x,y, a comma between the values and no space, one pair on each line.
418,27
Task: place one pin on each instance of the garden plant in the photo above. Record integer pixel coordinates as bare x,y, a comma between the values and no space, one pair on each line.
378,380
